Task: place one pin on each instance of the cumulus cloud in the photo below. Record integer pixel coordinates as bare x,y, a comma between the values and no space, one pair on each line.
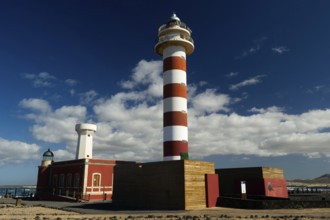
280,50
39,105
252,81
210,102
129,128
147,74
130,123
43,79
54,126
270,132
16,151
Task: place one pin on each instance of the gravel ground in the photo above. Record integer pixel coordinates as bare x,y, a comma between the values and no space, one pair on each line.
40,210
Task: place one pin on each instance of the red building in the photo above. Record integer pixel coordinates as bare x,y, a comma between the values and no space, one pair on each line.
87,179
84,178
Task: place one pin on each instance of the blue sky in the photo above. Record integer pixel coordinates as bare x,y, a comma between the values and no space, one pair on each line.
258,81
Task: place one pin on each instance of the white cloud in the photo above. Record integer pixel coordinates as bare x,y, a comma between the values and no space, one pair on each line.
269,109
130,124
280,50
17,151
64,154
71,82
269,133
35,104
72,92
202,83
323,89
128,127
232,74
250,51
254,48
210,102
54,126
88,97
252,81
43,79
147,74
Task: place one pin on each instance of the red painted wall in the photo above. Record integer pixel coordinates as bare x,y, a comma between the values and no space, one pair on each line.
276,188
54,190
105,168
212,189
43,178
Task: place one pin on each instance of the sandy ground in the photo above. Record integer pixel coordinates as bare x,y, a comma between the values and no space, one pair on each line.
10,211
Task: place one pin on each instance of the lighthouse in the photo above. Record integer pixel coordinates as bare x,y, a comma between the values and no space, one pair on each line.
174,43
85,140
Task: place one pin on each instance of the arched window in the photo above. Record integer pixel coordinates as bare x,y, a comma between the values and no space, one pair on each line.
96,179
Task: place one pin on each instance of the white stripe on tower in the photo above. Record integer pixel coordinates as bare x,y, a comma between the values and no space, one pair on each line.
174,42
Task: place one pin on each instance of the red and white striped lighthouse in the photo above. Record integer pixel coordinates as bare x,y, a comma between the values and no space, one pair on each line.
174,43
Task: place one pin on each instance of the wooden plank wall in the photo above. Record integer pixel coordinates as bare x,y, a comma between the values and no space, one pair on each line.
194,183
272,173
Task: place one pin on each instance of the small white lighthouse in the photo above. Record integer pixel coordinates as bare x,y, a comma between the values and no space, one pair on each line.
174,43
85,140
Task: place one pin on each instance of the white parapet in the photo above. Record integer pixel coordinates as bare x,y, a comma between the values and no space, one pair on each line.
85,126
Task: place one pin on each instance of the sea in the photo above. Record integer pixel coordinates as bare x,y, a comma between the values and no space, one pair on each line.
17,191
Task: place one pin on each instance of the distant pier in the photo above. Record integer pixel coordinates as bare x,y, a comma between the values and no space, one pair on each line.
17,191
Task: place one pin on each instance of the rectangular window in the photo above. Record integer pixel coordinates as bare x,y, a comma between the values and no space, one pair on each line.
62,180
76,182
69,180
55,180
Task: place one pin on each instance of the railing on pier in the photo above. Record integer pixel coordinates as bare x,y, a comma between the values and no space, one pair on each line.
308,189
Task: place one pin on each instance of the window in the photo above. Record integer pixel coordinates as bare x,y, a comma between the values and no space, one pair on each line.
61,180
69,180
76,182
55,180
96,179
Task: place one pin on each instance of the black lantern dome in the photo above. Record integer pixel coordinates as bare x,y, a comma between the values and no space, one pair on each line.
48,155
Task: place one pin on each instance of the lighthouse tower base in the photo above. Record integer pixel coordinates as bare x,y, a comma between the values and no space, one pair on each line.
166,185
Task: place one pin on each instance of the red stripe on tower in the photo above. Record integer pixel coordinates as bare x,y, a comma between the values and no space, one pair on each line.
174,43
